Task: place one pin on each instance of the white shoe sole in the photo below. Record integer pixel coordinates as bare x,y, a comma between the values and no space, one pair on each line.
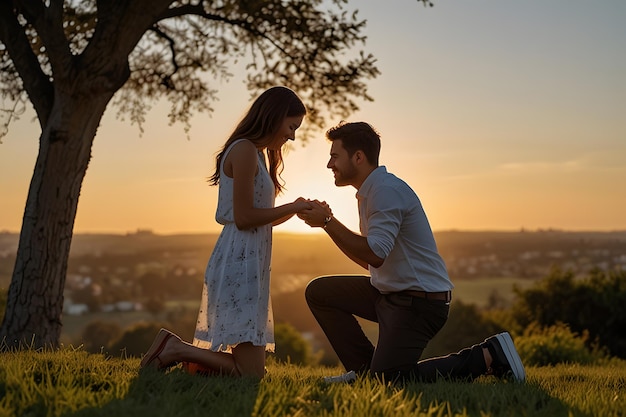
347,377
512,356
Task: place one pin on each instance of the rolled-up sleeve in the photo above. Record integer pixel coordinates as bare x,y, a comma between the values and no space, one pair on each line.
384,217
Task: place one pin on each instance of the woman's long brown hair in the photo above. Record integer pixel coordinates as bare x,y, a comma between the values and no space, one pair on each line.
260,123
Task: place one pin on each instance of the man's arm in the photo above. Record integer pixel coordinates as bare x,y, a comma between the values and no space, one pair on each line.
353,245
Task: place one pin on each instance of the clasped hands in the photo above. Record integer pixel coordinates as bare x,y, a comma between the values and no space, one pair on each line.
316,213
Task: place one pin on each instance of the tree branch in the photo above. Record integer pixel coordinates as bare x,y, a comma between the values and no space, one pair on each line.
48,23
185,9
167,79
198,10
36,83
122,23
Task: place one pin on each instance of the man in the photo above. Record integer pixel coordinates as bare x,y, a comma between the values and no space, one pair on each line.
408,290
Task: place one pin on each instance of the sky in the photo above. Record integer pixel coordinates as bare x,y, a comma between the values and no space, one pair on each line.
501,115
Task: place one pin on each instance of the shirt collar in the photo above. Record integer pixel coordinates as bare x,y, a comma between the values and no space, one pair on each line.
371,179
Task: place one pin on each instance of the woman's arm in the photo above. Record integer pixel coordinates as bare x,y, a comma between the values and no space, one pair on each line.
282,219
242,161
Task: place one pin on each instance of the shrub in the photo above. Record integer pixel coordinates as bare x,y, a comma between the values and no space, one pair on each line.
291,346
543,346
98,335
595,304
135,340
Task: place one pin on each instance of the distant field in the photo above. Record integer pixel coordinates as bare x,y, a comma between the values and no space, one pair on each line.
477,291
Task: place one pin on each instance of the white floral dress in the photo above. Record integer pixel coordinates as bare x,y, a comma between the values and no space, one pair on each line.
236,305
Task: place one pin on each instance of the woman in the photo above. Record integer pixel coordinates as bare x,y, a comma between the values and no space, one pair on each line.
235,323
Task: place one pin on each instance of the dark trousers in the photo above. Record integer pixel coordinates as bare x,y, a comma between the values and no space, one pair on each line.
406,325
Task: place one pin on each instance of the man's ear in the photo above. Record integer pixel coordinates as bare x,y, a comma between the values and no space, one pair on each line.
359,157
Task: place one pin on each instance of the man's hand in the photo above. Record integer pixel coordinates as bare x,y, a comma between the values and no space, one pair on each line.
316,215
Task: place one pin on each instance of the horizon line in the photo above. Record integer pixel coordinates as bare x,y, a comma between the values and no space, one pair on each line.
146,231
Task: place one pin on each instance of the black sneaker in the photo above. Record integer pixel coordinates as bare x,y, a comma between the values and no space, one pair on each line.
506,360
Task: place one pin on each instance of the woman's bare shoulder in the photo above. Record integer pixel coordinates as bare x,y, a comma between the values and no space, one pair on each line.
244,147
241,153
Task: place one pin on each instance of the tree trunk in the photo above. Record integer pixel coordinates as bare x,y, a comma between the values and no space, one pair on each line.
35,298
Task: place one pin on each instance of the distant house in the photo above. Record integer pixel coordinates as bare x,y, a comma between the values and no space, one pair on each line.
76,309
123,306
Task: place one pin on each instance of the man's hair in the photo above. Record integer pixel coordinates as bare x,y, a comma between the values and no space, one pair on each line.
357,136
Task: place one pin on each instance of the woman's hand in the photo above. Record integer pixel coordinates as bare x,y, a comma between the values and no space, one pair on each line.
301,204
316,214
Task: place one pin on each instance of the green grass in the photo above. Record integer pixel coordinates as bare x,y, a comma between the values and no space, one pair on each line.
73,383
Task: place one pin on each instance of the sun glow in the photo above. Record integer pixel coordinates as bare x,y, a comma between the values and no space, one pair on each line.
492,132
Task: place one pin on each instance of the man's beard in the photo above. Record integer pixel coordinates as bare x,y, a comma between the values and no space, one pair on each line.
345,177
